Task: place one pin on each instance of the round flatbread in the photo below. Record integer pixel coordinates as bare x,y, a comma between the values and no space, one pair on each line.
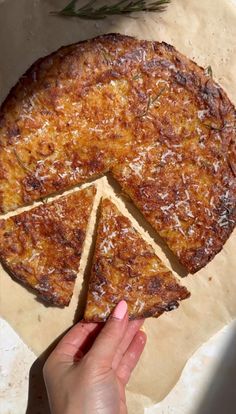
139,110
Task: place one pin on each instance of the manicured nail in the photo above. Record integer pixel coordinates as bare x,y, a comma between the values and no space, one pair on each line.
120,310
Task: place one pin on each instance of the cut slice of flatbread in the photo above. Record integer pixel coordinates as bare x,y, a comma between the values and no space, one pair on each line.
126,267
42,247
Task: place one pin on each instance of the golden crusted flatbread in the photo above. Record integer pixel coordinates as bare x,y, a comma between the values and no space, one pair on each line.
140,110
126,267
42,247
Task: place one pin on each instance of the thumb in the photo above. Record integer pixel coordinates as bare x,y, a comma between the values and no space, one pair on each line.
105,346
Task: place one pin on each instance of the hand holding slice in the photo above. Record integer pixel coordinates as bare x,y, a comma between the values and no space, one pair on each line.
126,267
42,247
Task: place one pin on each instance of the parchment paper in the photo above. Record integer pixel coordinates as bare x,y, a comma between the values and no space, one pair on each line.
206,31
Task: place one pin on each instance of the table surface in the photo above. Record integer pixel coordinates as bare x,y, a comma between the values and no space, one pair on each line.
17,359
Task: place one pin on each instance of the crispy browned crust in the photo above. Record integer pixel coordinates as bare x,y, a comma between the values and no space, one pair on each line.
126,267
144,112
42,247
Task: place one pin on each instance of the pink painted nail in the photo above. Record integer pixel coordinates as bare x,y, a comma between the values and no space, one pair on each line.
120,310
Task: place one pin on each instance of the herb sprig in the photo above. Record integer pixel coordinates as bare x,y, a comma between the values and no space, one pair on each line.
90,11
208,71
151,102
20,162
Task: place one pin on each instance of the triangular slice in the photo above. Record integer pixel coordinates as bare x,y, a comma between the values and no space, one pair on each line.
42,247
126,267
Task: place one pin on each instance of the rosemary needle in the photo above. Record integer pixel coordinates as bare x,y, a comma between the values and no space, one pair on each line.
20,162
90,11
151,101
208,71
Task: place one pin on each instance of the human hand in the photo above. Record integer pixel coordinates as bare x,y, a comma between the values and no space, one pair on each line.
88,370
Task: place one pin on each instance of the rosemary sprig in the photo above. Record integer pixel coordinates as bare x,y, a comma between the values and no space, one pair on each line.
213,127
89,11
44,200
20,162
158,95
219,128
208,71
107,56
151,101
136,77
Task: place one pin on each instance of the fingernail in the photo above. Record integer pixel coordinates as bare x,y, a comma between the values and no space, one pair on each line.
142,329
120,310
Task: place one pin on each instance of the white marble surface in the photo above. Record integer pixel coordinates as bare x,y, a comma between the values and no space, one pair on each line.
16,360
196,376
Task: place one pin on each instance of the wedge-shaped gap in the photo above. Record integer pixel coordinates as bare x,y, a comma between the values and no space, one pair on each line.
87,271
138,216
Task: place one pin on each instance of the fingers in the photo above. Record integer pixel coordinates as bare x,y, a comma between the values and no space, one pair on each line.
132,328
131,357
109,339
73,344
